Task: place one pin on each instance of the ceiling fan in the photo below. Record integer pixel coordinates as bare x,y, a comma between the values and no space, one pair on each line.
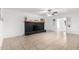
51,11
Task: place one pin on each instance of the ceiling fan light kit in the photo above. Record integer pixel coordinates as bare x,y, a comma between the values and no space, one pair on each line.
52,14
52,11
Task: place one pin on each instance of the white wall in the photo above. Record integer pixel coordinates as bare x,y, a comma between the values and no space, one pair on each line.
13,24
1,30
1,25
74,16
49,24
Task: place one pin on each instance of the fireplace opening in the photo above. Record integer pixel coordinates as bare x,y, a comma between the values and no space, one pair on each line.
37,28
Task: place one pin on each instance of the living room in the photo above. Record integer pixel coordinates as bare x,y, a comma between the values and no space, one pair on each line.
59,29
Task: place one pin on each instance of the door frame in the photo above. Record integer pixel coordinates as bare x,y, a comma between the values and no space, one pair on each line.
65,23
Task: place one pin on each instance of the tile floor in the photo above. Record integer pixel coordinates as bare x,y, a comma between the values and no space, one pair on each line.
42,41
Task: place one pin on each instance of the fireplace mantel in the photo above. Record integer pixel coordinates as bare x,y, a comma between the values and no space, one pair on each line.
35,21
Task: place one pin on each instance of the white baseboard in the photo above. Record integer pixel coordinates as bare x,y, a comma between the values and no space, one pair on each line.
73,33
12,36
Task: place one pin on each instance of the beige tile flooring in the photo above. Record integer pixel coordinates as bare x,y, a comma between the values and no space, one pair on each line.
42,41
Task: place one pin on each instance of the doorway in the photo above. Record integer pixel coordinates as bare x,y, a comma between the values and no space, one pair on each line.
61,28
61,25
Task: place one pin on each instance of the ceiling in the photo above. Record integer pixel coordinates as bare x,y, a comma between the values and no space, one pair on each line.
41,10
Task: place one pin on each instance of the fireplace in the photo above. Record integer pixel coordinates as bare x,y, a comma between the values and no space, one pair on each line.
38,27
34,27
